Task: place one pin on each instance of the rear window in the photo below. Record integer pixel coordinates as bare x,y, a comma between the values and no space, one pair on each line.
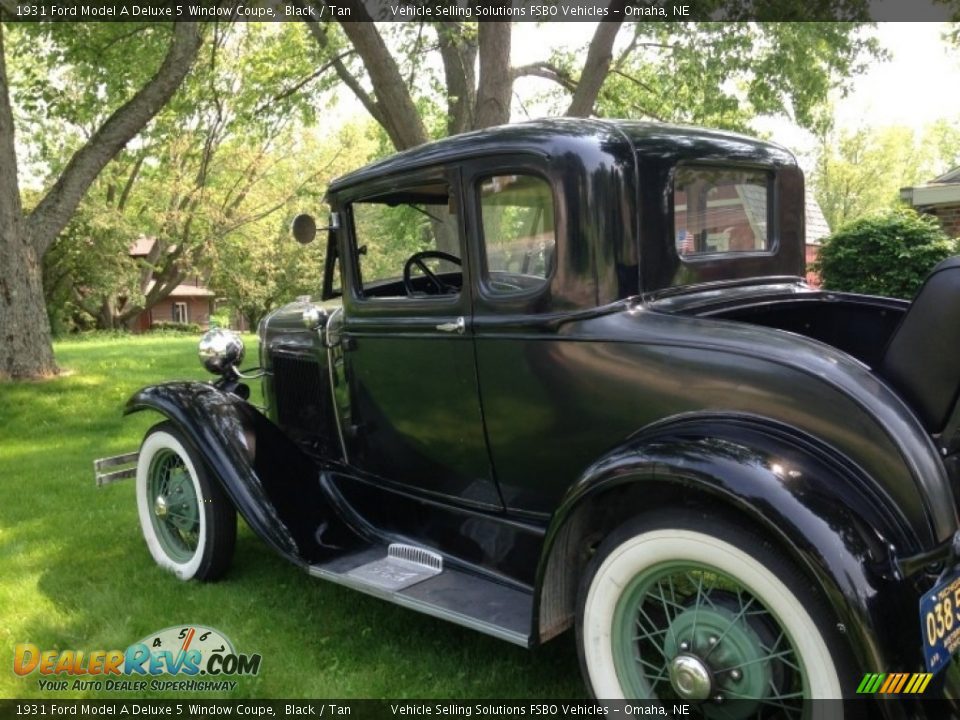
721,210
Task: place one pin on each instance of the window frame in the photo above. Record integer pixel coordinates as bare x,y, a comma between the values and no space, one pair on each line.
483,270
773,211
351,242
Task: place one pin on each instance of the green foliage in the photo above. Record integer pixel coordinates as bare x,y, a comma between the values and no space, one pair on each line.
169,326
860,173
725,74
228,157
259,266
887,255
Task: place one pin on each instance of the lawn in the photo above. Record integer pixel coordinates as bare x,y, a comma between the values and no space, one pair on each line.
75,573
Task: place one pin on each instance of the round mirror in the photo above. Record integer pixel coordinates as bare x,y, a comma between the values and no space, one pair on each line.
304,228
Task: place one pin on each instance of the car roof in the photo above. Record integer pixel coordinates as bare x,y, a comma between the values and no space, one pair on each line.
555,136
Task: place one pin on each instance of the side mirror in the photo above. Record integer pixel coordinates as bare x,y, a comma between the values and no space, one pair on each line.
304,227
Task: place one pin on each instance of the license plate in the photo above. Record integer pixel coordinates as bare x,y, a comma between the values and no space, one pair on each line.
940,622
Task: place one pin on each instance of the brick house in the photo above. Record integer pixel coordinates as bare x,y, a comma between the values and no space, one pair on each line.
189,302
941,198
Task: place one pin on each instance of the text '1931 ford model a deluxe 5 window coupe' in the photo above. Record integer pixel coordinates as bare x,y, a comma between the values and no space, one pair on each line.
566,374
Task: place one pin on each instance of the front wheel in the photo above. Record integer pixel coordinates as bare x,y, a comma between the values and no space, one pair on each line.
187,520
698,611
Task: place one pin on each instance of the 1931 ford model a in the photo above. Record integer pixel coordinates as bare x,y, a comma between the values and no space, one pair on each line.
566,373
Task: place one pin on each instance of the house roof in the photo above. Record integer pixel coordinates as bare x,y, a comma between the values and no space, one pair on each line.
142,246
951,176
942,190
186,291
816,224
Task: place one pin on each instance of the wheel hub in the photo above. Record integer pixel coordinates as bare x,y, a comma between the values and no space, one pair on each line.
690,677
161,507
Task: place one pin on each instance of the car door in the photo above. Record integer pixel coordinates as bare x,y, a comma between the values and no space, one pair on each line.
528,277
414,416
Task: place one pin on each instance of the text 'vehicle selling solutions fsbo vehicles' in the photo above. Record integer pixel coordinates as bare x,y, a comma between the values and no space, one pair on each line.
567,374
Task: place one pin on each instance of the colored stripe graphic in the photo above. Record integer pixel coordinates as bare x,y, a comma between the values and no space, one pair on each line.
894,683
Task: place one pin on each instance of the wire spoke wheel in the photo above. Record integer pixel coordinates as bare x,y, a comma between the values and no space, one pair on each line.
176,516
689,633
188,522
689,609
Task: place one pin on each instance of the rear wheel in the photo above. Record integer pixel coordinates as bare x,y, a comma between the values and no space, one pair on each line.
699,611
188,522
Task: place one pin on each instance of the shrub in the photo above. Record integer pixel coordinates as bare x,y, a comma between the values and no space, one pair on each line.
170,326
887,254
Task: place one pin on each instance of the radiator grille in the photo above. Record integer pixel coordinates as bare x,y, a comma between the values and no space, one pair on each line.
300,396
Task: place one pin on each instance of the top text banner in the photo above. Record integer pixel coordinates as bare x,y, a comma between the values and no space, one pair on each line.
479,10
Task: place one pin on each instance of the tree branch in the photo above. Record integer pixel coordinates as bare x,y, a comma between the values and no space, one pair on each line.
459,53
54,211
400,117
298,86
319,32
596,66
547,71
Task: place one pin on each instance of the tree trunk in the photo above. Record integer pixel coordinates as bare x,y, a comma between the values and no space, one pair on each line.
595,67
25,339
25,342
496,81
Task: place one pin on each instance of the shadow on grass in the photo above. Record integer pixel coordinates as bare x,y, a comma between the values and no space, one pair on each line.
316,639
76,574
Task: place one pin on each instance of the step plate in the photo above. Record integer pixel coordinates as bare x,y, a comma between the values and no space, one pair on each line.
405,565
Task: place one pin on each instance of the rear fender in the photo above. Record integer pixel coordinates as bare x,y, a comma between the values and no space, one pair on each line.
271,482
808,501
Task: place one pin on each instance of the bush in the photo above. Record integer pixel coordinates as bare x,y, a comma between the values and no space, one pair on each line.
887,255
170,326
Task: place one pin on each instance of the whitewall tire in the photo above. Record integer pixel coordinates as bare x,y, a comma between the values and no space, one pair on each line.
695,610
187,520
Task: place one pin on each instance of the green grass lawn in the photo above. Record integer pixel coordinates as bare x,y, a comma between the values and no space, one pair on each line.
75,573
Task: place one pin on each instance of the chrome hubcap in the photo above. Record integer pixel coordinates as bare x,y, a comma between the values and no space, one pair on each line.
690,677
160,506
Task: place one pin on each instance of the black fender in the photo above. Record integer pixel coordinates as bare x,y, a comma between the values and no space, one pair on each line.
813,503
273,484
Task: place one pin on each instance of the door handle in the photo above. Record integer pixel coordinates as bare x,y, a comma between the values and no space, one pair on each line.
458,326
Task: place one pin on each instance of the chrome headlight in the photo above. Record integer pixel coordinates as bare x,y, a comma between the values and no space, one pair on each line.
220,350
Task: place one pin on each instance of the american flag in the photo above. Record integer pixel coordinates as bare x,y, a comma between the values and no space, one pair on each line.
685,242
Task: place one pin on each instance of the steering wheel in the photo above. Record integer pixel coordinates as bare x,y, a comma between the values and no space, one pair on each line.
417,259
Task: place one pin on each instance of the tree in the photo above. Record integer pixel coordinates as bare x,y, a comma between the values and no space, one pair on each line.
25,237
860,173
222,156
887,254
426,79
259,267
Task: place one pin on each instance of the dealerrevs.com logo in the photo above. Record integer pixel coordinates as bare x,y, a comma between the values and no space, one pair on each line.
202,658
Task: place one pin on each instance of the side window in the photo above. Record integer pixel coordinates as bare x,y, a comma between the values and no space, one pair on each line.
721,210
519,232
408,242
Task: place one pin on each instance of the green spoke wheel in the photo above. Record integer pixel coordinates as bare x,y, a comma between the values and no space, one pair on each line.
187,520
702,612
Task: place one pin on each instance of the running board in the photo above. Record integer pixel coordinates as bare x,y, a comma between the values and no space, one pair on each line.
459,597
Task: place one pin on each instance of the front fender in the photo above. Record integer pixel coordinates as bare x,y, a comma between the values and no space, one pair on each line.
833,522
271,482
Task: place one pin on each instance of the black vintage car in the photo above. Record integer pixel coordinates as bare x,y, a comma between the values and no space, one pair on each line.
567,374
